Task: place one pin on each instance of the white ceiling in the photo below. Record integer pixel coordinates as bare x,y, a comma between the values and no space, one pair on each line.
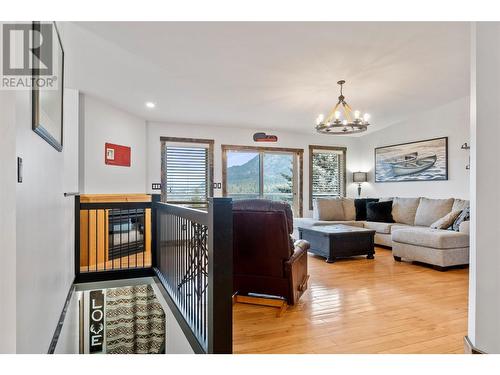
268,76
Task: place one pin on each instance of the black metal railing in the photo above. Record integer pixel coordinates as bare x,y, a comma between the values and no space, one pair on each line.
194,264
111,238
188,249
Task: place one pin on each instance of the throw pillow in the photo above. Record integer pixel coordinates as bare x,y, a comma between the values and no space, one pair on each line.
349,209
328,209
446,221
460,204
379,211
360,205
463,216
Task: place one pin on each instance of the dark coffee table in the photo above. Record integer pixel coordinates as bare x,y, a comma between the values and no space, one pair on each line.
339,241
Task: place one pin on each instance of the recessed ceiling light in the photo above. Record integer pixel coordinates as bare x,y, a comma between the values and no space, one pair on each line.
150,104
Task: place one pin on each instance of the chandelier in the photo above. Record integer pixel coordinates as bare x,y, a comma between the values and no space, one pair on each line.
351,123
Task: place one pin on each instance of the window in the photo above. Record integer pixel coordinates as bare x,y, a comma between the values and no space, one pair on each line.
263,172
187,171
327,176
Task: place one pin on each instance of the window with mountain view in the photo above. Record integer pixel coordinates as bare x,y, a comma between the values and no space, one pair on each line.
186,173
327,172
262,173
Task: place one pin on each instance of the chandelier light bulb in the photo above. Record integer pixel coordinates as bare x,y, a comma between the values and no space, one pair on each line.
320,119
357,114
366,117
344,122
337,115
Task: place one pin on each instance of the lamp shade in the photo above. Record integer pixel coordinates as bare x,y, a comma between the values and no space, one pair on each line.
359,177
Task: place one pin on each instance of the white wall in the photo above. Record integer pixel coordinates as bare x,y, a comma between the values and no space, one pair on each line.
104,123
44,225
484,291
8,180
237,136
450,120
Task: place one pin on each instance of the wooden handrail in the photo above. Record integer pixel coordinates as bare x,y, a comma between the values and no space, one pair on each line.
114,198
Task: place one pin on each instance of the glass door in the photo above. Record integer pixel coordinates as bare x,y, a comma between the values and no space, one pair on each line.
278,174
243,175
262,173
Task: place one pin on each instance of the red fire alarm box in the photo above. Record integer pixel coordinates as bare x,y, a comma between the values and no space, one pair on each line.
117,155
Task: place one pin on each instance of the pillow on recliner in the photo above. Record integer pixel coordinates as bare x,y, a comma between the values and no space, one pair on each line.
379,211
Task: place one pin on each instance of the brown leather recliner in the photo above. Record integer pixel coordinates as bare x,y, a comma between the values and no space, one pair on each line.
265,258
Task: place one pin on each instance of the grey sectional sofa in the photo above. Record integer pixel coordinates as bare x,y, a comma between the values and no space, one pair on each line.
410,236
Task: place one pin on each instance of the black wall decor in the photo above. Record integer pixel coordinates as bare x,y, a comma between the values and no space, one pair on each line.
263,137
96,321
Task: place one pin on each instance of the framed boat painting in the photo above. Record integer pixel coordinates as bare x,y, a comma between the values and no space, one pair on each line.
414,161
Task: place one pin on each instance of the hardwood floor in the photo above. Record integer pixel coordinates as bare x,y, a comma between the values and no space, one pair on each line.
363,306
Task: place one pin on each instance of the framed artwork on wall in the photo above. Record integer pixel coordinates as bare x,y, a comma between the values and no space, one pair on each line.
117,155
425,160
48,84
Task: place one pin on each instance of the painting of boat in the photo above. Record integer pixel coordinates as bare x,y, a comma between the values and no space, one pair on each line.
416,161
412,165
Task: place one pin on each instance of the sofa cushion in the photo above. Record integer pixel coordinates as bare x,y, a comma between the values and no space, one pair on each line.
328,209
379,211
446,221
430,210
397,226
460,204
360,205
404,210
384,228
349,209
427,237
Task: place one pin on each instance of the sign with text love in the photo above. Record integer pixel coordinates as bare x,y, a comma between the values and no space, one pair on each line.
96,321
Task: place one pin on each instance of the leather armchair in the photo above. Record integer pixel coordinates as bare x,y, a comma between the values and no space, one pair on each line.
266,260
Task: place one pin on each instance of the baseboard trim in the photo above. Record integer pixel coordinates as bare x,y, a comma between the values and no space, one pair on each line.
469,348
57,332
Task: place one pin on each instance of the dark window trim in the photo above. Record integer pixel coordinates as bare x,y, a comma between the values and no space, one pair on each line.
209,142
312,148
297,151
